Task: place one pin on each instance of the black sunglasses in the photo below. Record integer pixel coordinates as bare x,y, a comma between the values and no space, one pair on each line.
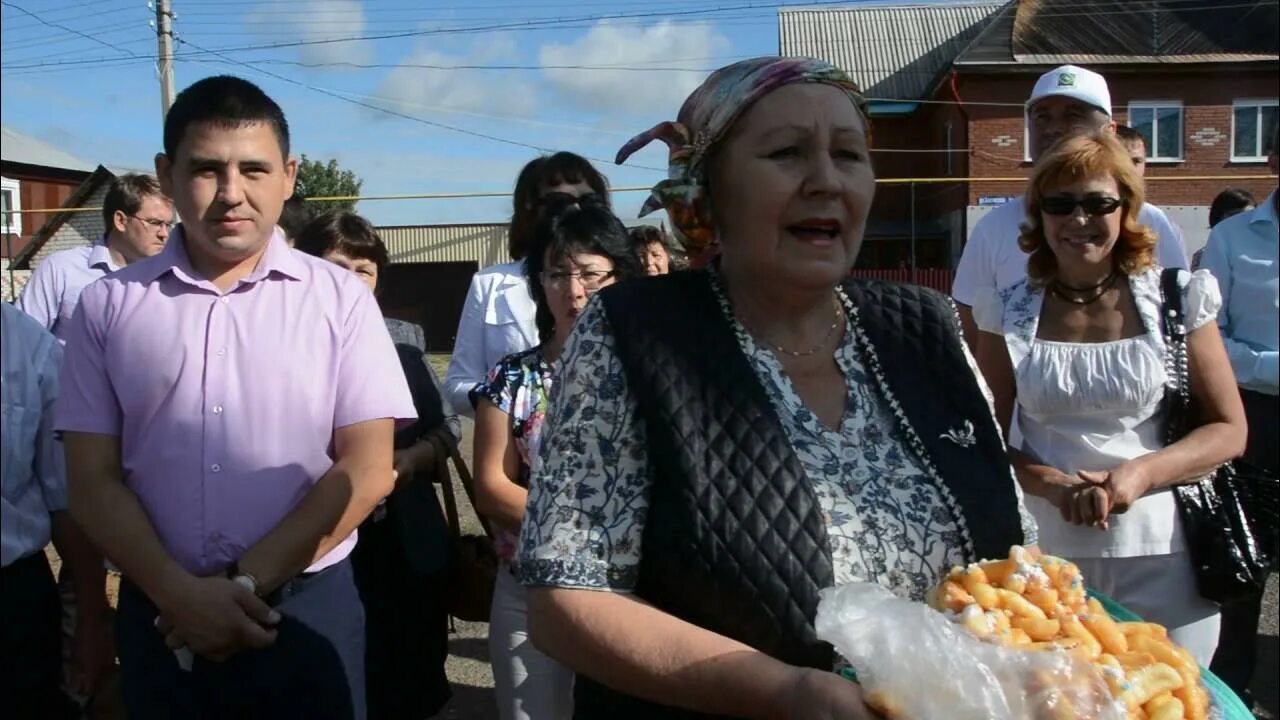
1094,205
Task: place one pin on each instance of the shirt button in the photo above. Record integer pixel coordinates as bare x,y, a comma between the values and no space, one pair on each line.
215,467
224,299
217,409
222,351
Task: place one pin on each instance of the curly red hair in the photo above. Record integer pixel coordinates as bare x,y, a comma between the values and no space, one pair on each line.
1073,159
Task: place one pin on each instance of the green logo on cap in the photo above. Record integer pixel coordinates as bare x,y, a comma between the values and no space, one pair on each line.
1067,80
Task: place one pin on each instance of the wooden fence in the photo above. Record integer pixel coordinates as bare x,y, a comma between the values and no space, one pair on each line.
931,278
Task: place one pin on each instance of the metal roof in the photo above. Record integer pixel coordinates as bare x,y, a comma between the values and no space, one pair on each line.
484,244
894,52
1120,32
16,147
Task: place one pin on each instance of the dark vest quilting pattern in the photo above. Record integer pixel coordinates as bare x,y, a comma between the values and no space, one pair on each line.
734,538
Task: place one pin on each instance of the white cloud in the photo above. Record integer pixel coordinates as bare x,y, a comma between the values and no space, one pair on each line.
416,89
325,20
615,92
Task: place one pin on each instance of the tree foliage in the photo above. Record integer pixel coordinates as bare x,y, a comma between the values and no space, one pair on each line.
319,179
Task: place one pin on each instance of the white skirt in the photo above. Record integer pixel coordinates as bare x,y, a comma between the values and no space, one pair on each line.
1161,589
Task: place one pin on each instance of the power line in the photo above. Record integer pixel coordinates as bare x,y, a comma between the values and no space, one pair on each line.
51,24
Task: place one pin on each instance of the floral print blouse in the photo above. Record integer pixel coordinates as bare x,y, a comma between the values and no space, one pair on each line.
520,386
887,520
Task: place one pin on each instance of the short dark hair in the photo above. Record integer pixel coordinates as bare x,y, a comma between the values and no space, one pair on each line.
225,101
126,194
525,205
294,216
347,233
1227,203
645,235
570,226
1128,136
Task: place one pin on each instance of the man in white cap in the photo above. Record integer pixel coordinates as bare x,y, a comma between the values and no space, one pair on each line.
1067,100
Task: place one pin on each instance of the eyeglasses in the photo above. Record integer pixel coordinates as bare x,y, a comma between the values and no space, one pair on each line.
1094,205
155,224
590,279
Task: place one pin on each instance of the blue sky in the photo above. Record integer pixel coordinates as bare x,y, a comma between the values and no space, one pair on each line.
90,87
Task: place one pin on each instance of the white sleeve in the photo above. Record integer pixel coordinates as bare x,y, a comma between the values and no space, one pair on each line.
1171,249
467,366
988,311
975,270
1201,298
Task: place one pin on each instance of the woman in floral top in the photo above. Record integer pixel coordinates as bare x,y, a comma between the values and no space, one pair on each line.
726,442
577,249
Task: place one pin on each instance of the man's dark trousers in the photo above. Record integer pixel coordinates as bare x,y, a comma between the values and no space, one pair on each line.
31,641
315,669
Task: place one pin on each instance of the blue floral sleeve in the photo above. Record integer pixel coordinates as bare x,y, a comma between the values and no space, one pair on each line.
589,490
497,387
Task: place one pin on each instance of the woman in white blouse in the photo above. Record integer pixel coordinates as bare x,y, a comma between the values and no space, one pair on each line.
498,316
1076,354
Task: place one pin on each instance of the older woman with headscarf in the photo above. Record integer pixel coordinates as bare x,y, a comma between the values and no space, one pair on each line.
724,443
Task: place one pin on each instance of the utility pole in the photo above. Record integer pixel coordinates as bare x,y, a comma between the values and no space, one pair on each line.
164,54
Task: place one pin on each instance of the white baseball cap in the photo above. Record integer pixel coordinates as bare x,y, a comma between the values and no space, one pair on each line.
1076,83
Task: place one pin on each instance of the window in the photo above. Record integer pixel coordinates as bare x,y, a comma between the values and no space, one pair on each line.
1251,120
1160,122
10,204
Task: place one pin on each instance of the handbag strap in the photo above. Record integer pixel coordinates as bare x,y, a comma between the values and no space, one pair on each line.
1178,390
468,487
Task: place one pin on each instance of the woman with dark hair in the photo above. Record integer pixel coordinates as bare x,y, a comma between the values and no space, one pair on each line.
578,248
402,558
497,319
1230,202
651,247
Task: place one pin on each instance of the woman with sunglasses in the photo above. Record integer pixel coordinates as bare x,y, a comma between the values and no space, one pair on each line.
577,248
1076,355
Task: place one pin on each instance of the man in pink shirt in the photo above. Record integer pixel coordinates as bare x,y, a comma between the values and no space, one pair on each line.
228,412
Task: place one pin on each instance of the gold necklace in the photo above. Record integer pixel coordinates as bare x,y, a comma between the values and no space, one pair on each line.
811,351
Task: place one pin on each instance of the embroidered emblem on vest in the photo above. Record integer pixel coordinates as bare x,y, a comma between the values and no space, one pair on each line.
964,437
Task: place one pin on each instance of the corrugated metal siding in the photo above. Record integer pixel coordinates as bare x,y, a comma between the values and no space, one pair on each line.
892,52
482,244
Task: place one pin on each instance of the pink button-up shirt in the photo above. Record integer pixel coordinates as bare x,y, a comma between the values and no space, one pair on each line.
226,403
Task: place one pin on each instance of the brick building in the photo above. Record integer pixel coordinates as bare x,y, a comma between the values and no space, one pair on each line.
71,227
1199,81
34,176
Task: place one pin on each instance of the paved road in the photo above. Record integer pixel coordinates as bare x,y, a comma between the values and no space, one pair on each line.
472,678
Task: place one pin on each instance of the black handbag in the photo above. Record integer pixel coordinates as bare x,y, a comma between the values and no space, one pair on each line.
1220,512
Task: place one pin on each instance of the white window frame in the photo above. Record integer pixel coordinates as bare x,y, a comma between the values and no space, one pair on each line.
1261,139
1154,106
12,224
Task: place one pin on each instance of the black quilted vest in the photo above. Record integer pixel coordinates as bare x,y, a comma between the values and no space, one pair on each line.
734,539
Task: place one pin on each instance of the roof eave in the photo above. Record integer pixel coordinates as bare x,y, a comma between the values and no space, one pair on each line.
22,259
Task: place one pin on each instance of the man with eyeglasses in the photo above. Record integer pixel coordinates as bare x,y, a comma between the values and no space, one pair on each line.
137,217
1066,101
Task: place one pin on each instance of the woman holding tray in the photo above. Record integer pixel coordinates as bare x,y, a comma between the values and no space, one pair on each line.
726,442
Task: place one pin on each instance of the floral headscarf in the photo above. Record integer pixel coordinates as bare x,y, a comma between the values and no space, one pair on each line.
704,120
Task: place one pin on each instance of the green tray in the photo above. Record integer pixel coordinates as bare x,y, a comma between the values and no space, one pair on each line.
1224,703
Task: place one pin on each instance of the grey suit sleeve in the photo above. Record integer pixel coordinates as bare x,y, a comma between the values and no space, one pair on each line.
450,416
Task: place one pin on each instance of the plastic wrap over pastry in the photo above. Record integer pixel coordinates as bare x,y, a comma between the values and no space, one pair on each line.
916,663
